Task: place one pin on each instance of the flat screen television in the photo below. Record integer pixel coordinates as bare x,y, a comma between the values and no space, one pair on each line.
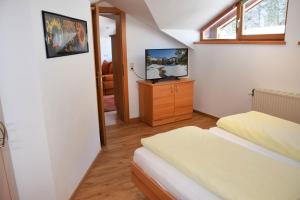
166,63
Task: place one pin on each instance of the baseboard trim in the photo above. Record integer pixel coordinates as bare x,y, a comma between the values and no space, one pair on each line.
85,175
208,115
134,120
138,119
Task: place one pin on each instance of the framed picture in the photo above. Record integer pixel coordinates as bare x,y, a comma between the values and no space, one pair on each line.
64,35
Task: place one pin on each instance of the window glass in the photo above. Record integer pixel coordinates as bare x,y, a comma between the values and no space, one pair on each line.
264,17
228,31
224,28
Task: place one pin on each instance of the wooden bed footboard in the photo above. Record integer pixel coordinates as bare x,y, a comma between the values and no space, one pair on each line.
147,185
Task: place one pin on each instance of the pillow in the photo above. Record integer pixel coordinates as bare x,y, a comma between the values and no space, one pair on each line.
110,68
273,133
105,67
108,77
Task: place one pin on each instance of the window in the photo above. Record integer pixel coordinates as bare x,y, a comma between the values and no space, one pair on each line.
249,20
222,28
264,17
228,30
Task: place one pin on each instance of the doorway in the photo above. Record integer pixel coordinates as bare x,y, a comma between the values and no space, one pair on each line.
109,32
8,189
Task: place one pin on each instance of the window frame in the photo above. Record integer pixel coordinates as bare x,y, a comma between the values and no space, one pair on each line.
216,19
240,38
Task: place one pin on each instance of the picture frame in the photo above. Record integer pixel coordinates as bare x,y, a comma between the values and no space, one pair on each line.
64,35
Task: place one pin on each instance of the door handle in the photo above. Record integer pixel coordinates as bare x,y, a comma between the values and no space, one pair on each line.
3,134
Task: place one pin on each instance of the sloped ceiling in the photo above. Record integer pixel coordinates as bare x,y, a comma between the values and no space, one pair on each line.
136,8
179,19
187,14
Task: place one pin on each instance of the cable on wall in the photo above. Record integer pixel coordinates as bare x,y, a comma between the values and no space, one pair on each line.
133,70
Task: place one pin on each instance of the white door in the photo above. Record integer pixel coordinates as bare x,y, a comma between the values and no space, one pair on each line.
7,181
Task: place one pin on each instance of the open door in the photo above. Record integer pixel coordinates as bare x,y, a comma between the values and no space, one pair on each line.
8,189
98,71
119,61
119,66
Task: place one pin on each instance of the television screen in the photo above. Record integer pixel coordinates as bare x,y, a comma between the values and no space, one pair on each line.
165,63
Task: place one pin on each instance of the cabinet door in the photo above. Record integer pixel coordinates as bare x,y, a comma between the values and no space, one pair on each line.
163,101
183,98
8,187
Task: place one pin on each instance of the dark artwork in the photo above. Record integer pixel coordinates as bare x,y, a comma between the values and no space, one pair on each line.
64,35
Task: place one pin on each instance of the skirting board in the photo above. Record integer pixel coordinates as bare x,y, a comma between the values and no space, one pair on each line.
85,175
134,120
208,115
137,119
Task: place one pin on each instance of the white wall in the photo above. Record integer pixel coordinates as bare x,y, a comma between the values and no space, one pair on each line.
141,37
186,37
69,98
21,98
49,104
225,74
106,53
141,34
107,28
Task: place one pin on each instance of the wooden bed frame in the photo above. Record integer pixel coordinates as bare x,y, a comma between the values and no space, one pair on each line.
147,185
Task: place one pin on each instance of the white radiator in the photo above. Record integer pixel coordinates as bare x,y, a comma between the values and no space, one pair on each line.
280,104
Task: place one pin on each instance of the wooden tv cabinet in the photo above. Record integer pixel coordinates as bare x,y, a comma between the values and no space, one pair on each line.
165,102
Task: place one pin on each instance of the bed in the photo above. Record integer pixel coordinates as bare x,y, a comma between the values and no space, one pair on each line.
167,182
158,178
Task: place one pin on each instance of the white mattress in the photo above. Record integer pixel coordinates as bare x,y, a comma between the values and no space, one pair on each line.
181,186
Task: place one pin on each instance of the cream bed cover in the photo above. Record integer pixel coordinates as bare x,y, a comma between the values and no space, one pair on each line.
181,186
212,163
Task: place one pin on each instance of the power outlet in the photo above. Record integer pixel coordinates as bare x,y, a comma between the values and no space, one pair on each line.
131,66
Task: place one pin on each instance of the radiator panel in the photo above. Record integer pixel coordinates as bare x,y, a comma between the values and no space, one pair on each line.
280,104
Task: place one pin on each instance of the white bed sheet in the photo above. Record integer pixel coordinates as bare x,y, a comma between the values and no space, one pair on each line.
181,186
169,178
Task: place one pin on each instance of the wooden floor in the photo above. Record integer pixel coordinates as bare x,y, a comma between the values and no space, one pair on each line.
111,118
109,177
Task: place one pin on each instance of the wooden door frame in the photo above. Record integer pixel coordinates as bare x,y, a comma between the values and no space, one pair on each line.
96,11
